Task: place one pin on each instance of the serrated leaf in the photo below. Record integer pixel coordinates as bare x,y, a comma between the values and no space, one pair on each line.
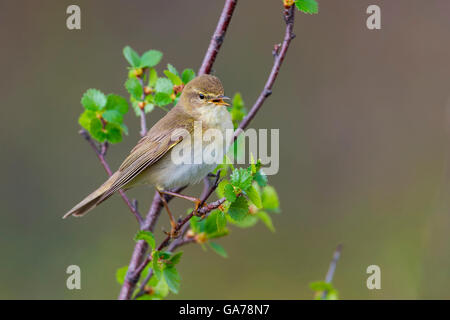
96,130
187,75
320,286
150,58
238,209
134,87
131,56
221,188
266,219
270,198
152,77
195,226
164,85
260,178
172,278
221,221
254,197
241,178
149,107
85,119
175,259
93,100
217,248
247,221
124,128
211,223
113,133
162,99
307,6
176,80
147,236
156,267
112,116
117,103
229,193
121,273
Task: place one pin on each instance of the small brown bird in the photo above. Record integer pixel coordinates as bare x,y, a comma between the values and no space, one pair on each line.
150,161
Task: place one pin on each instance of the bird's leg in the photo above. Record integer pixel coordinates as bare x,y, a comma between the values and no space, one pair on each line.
173,231
195,200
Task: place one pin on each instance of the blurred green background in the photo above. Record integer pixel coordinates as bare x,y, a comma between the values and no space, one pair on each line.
363,118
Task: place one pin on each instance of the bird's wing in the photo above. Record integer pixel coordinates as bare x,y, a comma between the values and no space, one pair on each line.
152,147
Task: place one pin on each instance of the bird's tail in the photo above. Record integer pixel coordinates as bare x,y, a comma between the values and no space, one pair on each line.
92,200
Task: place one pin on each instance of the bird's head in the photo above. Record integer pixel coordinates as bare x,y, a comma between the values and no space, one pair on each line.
203,91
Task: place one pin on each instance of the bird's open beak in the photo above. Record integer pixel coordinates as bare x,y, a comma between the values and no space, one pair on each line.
219,101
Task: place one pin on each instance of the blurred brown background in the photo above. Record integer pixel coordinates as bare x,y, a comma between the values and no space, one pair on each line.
363,118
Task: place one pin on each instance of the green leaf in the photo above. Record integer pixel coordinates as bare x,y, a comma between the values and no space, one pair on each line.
164,85
93,99
187,75
270,198
229,193
247,221
172,69
217,248
152,77
156,267
124,128
149,107
266,219
221,221
117,103
150,58
320,286
211,223
238,209
85,119
121,273
307,6
172,278
241,178
175,259
195,224
131,56
162,99
113,133
260,178
134,87
221,188
254,196
176,80
96,130
147,236
112,116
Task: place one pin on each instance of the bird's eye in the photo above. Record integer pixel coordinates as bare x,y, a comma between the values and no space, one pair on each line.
201,96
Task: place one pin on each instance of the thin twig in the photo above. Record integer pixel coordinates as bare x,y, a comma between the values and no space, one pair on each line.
218,37
101,152
143,131
279,56
332,267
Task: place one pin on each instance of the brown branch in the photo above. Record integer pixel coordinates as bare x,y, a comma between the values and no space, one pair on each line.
101,152
332,267
218,37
